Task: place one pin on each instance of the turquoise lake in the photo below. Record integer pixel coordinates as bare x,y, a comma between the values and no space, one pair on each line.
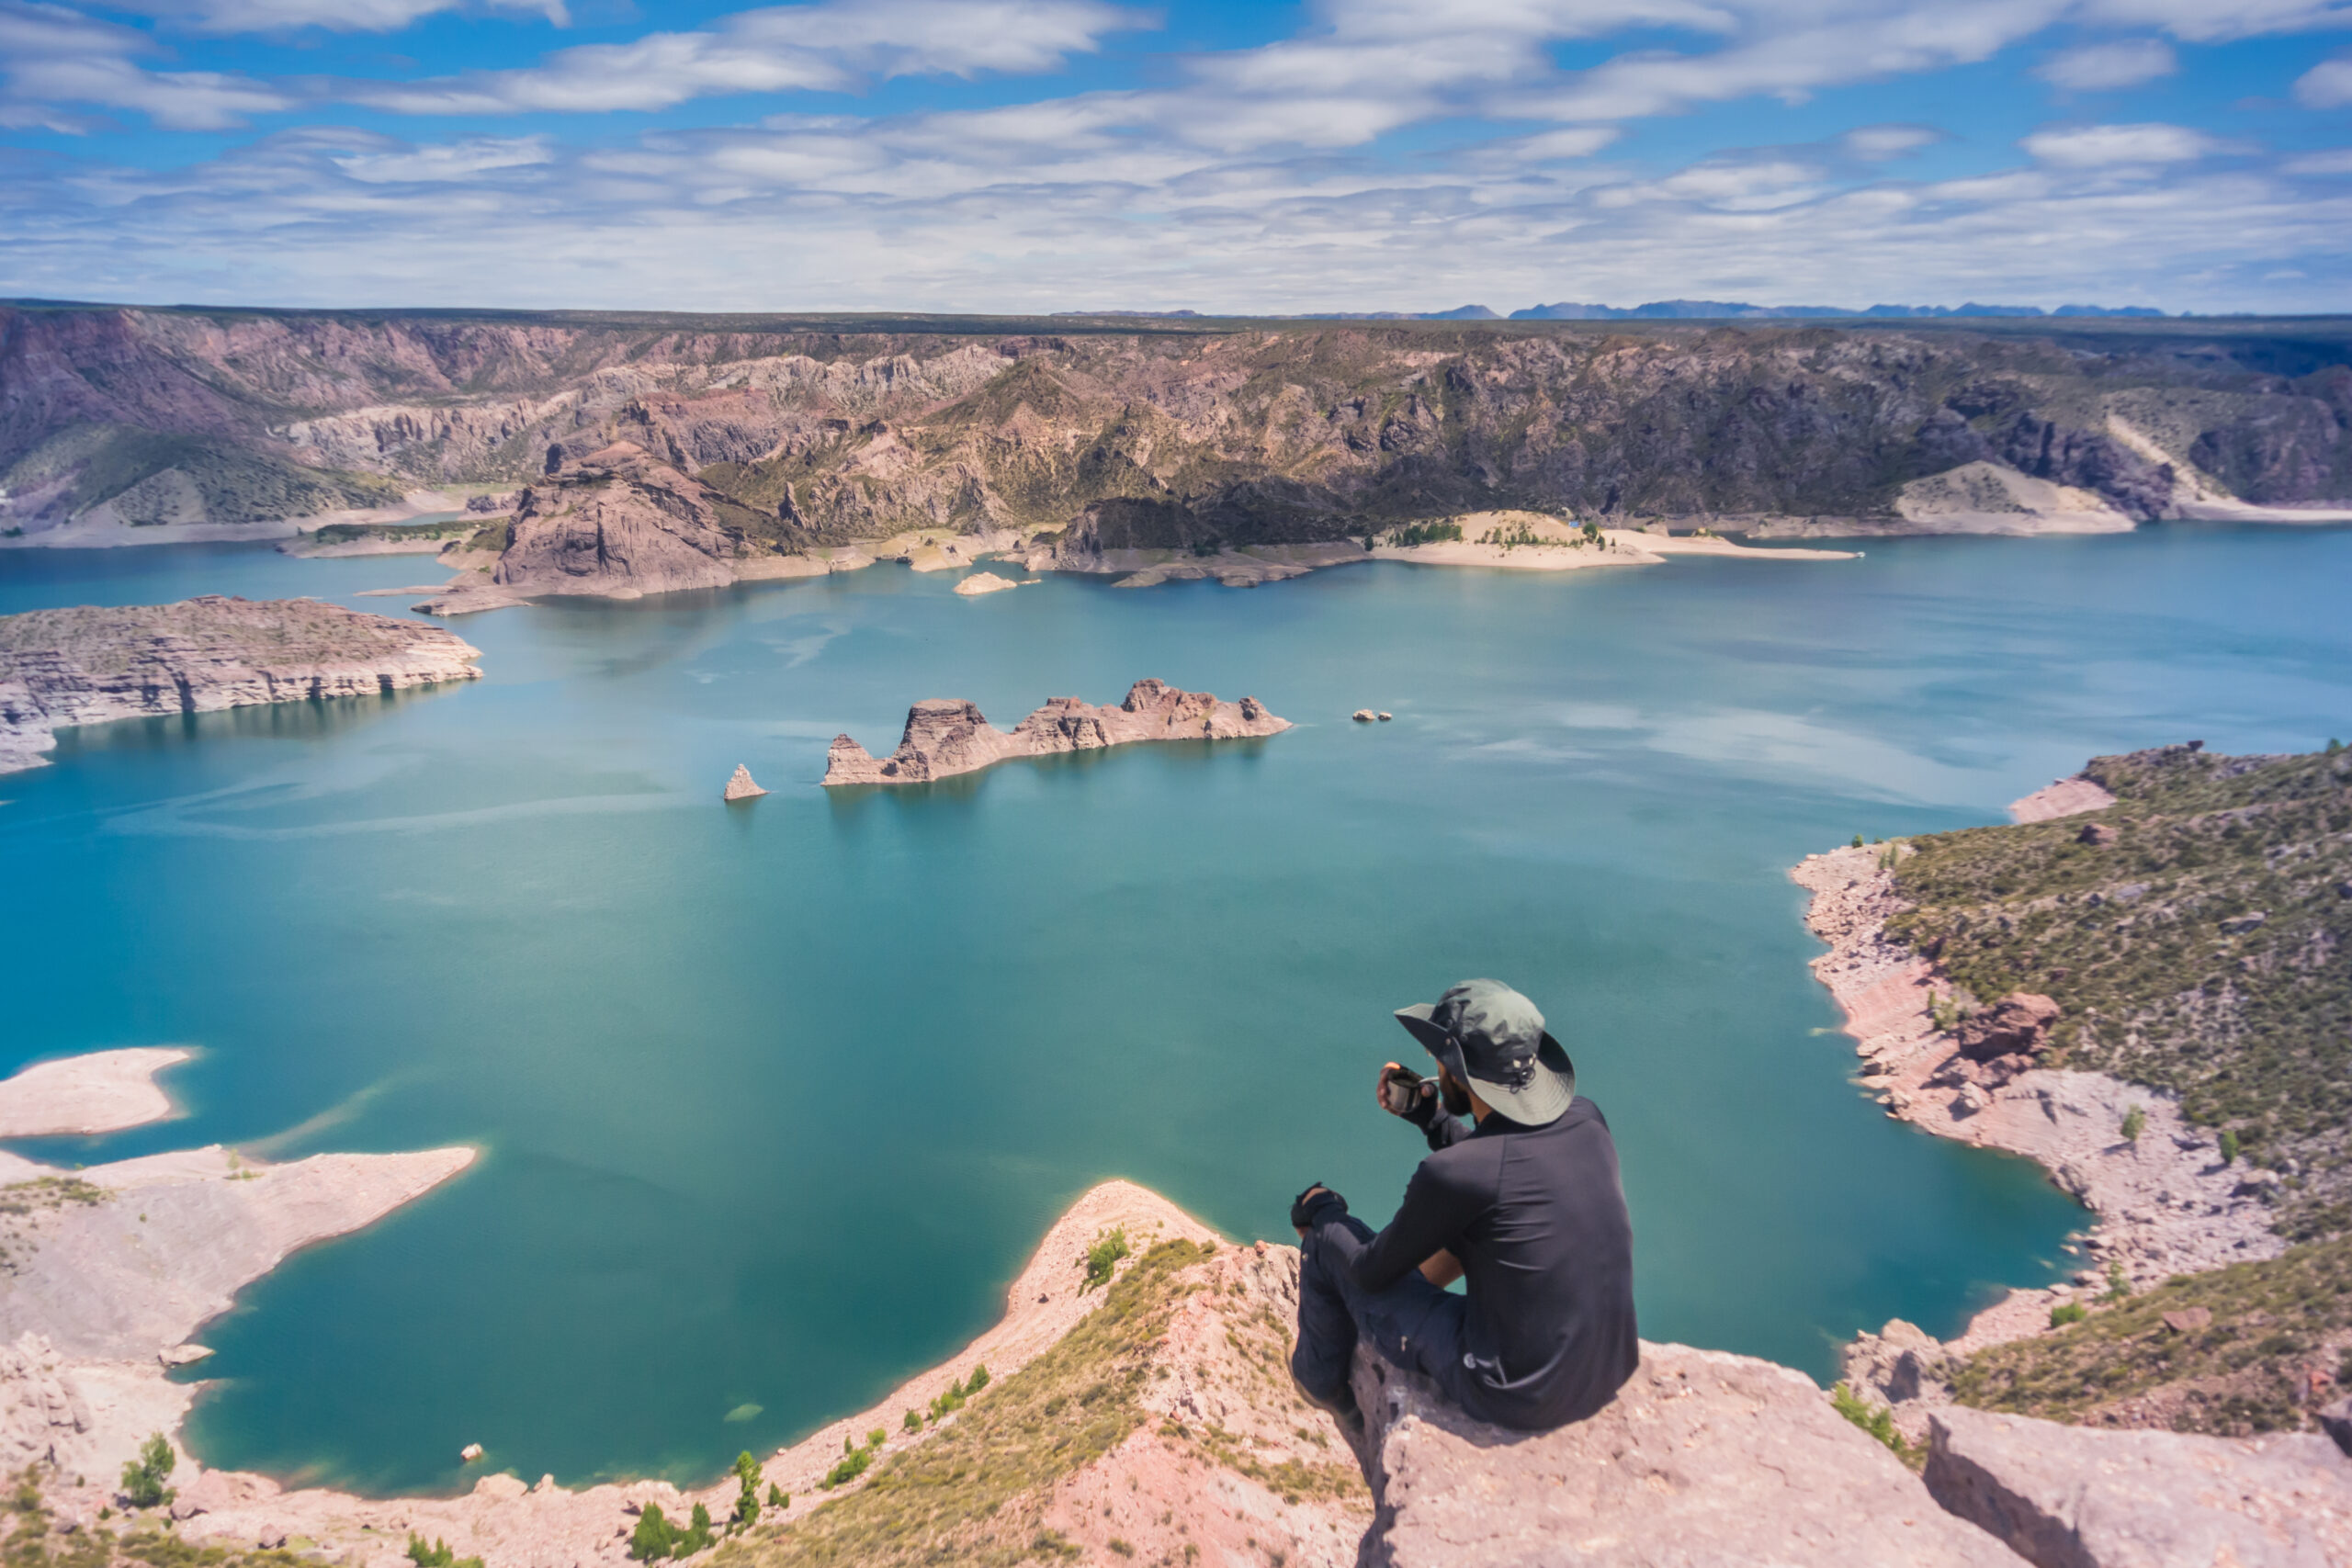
775,1098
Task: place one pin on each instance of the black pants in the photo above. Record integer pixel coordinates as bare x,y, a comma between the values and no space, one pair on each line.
1414,1323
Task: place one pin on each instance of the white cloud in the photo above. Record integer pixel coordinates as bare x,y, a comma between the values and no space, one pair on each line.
833,46
50,55
337,15
2336,162
2327,86
2212,21
385,161
2103,146
1877,142
2100,67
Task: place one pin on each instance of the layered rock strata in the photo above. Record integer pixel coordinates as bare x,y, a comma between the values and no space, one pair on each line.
1196,439
945,736
90,665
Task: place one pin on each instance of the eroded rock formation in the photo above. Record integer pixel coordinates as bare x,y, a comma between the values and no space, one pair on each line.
945,736
2070,1497
90,665
1203,439
1702,1458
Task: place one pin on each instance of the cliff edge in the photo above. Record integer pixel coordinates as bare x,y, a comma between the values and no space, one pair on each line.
89,665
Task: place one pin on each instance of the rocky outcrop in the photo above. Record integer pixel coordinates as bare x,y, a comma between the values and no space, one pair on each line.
2064,797
619,523
87,665
1702,1458
2070,1497
981,582
740,785
945,736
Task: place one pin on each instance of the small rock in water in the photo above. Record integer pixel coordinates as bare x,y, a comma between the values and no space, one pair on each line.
742,787
471,1452
1386,715
1362,716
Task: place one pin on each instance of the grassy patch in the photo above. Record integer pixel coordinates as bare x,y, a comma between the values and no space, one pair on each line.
972,1494
32,1542
2242,1372
352,533
2207,951
1879,1422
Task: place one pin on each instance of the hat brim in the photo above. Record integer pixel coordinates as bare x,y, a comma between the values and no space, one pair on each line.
1545,1098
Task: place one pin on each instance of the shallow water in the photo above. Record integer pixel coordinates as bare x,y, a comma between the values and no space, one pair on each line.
775,1098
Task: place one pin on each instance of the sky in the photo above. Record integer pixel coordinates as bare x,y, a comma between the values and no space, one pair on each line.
1014,157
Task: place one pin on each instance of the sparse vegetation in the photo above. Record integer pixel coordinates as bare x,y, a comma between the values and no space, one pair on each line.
1413,534
2135,1121
2247,1370
2200,952
1879,1422
2065,1312
747,1498
971,1493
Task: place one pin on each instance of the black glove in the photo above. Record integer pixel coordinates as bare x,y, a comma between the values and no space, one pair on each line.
1305,1211
1422,1110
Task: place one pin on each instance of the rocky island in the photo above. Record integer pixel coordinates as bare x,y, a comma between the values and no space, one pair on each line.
945,736
89,665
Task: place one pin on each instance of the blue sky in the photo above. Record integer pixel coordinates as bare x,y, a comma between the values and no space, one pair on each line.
1020,155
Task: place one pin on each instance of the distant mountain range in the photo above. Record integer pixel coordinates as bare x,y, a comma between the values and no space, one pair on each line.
1664,310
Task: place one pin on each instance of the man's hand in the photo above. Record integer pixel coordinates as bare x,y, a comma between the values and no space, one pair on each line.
1414,1104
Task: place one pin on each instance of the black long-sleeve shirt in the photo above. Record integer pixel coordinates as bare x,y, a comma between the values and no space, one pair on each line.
1537,1217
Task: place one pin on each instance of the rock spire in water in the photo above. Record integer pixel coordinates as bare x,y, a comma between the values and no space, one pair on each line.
947,735
741,786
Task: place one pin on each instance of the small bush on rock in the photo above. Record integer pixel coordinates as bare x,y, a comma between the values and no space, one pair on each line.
143,1478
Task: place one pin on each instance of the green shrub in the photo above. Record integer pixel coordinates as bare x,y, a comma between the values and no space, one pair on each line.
1426,533
1103,1256
849,1470
2229,1147
778,1497
654,1538
1878,1421
143,1478
438,1555
747,1499
2135,1120
1857,842
913,1421
978,1379
2117,1287
697,1536
2066,1313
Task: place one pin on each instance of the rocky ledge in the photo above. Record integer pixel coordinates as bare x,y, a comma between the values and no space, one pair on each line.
88,665
945,736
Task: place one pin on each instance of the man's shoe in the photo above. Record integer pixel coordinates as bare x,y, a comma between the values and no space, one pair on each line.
1341,1408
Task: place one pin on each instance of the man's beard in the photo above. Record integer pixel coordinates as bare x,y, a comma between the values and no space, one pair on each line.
1456,1098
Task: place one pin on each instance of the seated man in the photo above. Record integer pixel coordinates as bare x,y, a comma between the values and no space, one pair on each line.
1527,1208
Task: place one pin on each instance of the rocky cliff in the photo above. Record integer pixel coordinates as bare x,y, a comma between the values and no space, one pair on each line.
1192,437
89,665
945,736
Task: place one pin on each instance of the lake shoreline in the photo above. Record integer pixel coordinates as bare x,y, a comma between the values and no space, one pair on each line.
2161,1205
93,1338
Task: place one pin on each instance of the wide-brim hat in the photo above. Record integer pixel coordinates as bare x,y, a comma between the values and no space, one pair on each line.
1493,1039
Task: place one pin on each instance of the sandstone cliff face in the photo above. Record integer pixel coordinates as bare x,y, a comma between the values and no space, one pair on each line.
945,736
1201,437
620,524
88,665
